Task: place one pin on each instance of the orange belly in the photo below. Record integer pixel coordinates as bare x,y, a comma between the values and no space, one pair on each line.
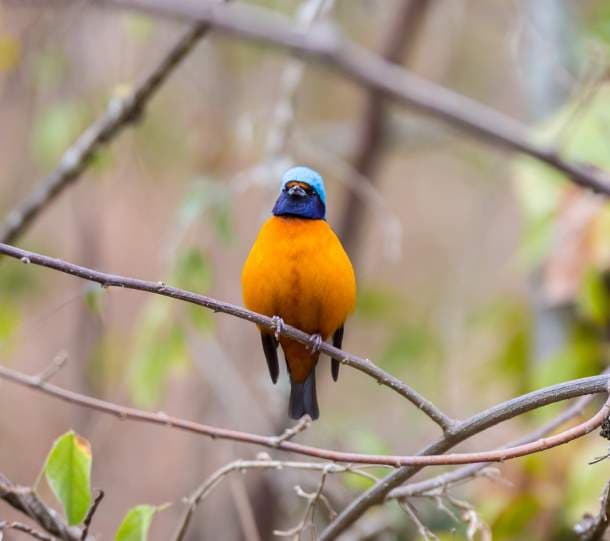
298,270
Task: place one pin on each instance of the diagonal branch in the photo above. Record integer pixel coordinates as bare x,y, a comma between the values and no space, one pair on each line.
376,495
114,280
452,477
326,46
399,42
120,113
24,499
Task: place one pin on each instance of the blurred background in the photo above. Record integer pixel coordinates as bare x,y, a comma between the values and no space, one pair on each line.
481,275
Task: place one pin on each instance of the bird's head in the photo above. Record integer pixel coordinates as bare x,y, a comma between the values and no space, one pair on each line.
302,195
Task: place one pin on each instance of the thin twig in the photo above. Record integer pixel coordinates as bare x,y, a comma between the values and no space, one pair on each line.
58,362
308,517
325,45
159,288
19,526
120,113
303,424
91,513
421,528
206,488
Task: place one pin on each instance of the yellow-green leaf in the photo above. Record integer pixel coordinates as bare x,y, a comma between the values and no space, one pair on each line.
136,524
68,472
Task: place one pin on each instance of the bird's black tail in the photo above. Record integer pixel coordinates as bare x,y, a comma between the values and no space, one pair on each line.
303,399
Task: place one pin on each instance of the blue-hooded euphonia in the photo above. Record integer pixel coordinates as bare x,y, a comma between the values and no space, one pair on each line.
297,270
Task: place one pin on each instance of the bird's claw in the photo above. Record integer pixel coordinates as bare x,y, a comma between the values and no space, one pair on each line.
278,326
314,343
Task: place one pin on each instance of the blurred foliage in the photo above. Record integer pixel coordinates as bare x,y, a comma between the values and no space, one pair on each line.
55,130
10,52
65,85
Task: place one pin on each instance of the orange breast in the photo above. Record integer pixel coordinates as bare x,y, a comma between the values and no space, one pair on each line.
298,270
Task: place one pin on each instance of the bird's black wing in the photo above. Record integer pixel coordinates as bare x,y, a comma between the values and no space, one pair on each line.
337,342
270,349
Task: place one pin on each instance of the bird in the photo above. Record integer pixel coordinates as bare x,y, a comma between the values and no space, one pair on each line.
298,273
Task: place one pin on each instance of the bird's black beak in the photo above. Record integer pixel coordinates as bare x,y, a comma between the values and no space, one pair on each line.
296,191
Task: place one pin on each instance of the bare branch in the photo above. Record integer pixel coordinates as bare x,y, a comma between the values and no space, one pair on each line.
400,40
42,536
206,488
120,113
379,492
326,46
303,424
91,513
308,517
421,528
159,288
25,500
472,470
467,428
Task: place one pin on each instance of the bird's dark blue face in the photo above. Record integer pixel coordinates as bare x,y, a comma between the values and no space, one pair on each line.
300,200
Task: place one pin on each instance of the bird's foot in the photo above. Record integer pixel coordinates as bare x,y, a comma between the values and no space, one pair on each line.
278,326
314,343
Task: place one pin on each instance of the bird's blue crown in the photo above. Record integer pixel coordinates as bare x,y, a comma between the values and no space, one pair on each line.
295,201
308,176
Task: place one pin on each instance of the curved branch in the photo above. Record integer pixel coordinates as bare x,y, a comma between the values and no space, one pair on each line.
452,477
380,491
159,288
367,69
472,426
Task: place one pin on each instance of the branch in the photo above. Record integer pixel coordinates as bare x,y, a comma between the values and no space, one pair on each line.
25,500
399,42
380,491
452,477
20,527
108,280
121,112
407,89
467,428
206,488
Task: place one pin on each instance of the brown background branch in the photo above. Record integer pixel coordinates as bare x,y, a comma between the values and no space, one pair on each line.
399,43
368,70
121,112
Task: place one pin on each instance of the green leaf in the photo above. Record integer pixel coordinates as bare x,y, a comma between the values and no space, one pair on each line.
136,524
68,472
